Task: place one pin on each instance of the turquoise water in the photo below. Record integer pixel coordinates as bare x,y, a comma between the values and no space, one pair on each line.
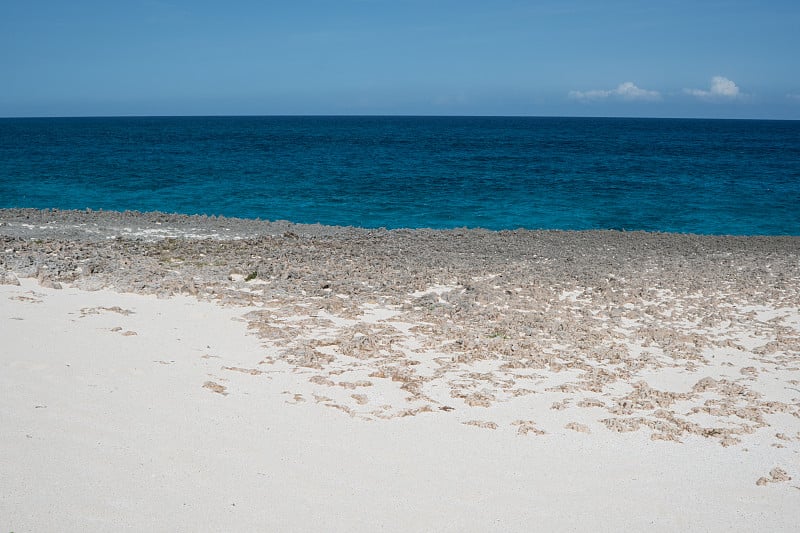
697,176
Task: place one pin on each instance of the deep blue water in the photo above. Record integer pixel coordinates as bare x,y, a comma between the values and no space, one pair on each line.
697,176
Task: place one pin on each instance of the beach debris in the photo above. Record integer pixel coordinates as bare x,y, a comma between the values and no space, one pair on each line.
215,387
580,428
87,311
527,426
481,424
250,371
776,475
361,399
296,398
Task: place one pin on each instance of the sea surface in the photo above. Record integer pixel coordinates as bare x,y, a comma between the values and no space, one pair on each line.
689,176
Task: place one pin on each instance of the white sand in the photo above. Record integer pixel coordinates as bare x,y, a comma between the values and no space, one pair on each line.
104,430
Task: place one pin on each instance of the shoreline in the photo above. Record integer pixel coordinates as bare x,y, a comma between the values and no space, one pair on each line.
85,223
660,368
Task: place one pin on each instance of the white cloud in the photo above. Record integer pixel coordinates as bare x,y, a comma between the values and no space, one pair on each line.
793,96
721,88
625,91
589,95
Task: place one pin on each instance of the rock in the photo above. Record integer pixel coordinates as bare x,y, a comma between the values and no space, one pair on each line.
49,284
8,278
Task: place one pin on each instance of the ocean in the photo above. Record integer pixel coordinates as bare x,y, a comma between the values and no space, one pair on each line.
739,177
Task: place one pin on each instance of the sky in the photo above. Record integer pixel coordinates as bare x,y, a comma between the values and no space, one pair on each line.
637,58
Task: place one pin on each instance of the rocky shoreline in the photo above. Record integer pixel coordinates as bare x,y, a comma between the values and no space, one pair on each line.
587,322
73,245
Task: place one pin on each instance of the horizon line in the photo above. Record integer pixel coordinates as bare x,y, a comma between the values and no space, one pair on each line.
388,115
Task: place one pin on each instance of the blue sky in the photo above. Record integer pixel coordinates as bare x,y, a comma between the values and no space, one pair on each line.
732,59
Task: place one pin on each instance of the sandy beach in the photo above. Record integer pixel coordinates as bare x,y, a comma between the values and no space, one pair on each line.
173,373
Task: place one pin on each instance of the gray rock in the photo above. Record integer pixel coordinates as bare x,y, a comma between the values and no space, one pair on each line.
8,278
